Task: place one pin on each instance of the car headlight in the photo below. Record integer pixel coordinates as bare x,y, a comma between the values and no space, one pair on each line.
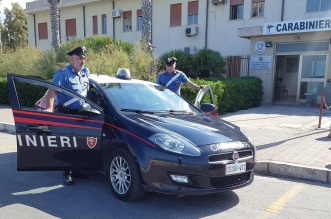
175,144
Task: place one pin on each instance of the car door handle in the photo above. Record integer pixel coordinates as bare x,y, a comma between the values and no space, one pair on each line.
40,129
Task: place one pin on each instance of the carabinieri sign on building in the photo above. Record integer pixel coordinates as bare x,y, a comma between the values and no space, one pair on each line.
308,25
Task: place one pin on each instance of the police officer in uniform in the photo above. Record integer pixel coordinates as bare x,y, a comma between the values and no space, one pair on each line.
74,77
173,78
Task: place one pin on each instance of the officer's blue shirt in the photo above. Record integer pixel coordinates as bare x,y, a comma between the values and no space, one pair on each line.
67,77
165,77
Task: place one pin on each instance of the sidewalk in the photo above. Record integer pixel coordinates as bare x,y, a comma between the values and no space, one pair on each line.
7,123
286,137
288,141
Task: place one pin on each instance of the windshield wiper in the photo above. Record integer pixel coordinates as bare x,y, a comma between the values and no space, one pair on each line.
178,111
173,111
137,111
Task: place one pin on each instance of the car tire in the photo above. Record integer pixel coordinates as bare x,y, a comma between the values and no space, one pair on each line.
124,176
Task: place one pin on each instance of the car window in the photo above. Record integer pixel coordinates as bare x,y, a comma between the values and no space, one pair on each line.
32,93
145,97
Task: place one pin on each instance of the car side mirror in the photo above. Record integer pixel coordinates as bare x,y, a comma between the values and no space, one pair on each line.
209,108
87,110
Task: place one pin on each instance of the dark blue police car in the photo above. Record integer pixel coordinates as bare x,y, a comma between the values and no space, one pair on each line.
141,135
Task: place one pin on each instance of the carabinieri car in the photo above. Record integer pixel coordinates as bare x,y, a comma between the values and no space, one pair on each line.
140,134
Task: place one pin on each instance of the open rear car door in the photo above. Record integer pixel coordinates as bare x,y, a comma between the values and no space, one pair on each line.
208,108
54,141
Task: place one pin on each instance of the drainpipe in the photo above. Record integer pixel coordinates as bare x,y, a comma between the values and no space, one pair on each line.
152,23
35,30
206,31
60,25
282,14
84,21
114,21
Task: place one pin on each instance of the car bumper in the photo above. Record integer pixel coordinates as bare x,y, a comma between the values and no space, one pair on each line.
203,178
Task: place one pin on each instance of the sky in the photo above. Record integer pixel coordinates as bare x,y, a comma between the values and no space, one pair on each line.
7,4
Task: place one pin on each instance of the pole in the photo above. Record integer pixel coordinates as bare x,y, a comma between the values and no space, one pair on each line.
321,109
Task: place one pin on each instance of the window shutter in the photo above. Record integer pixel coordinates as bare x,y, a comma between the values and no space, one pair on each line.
127,14
95,25
237,2
139,13
175,15
42,29
71,28
193,8
256,1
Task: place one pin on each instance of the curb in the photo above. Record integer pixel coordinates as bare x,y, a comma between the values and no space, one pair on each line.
4,127
297,171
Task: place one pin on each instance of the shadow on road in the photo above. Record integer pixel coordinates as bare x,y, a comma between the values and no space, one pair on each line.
42,194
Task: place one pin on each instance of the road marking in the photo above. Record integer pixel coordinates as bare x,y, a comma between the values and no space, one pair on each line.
38,191
278,205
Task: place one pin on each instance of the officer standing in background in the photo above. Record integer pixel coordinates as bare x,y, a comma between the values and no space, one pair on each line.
173,78
74,77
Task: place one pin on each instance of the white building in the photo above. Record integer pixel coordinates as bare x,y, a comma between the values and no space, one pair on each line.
288,40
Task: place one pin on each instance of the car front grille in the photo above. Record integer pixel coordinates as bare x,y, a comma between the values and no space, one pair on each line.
227,157
229,181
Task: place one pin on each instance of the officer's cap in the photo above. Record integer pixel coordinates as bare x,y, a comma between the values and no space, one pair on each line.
79,51
170,61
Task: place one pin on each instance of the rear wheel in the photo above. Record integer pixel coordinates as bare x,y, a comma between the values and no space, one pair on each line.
124,176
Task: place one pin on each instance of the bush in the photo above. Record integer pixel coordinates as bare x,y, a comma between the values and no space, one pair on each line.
106,62
104,55
23,62
241,93
185,62
4,94
229,95
209,63
142,65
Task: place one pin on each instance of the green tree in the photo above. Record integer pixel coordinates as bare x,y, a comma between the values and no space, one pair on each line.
14,35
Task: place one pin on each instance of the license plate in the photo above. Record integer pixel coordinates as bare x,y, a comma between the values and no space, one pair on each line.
235,168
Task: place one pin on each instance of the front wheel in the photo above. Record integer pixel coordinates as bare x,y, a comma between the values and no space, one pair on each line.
124,176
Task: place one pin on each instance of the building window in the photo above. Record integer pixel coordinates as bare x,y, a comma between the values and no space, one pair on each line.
42,30
95,24
175,15
127,21
104,23
236,9
139,19
258,8
71,28
318,5
193,12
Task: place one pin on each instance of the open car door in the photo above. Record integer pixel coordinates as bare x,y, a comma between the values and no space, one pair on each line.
54,141
208,108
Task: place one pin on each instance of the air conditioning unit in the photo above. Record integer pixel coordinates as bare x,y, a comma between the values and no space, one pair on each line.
191,50
218,2
116,13
191,30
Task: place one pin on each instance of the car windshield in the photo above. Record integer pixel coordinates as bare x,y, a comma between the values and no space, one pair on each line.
138,97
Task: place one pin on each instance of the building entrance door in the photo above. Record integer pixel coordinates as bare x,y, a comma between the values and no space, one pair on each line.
286,78
312,77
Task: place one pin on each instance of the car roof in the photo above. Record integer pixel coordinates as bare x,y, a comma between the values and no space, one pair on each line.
108,79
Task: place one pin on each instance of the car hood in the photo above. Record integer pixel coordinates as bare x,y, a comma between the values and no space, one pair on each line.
200,129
